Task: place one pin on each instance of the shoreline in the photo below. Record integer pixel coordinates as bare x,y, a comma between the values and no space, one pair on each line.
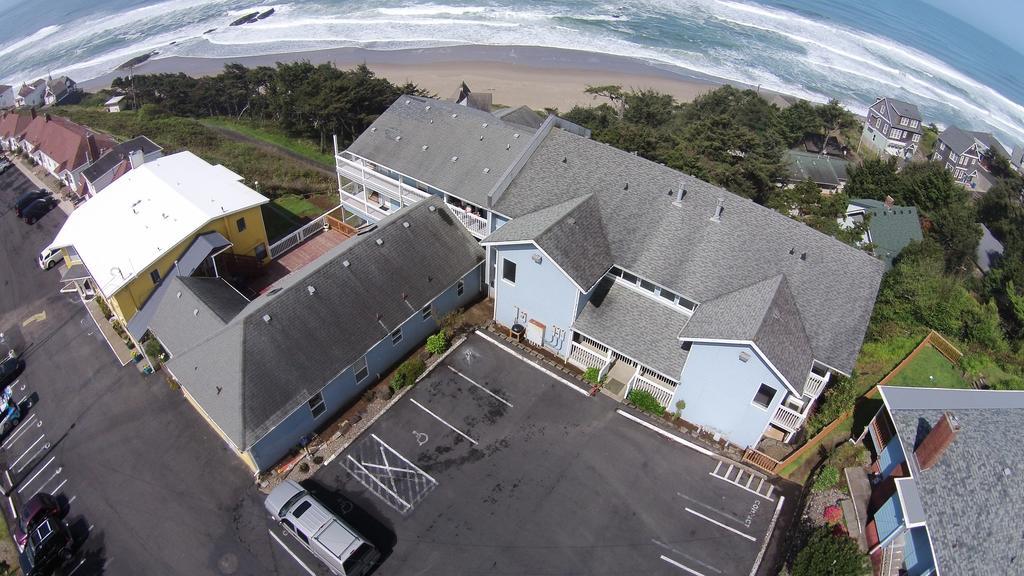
516,75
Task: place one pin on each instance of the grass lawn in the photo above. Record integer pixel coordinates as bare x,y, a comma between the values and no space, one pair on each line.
278,221
931,370
273,135
298,206
878,358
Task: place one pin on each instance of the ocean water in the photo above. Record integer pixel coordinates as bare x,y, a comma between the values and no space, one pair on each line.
852,50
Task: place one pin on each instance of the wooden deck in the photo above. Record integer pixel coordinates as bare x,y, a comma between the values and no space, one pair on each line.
298,257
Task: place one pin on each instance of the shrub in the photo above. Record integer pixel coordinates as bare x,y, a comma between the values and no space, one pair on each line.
453,322
840,396
827,478
645,401
833,514
104,308
592,375
153,348
407,373
826,553
437,343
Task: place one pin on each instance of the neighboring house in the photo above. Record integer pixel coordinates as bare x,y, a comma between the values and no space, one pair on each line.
269,372
12,127
116,163
890,228
60,89
477,100
961,151
31,95
828,172
117,104
63,147
1017,161
661,281
522,116
946,497
892,127
6,96
120,244
989,250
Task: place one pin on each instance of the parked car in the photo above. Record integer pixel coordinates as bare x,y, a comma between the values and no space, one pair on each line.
49,258
38,508
328,537
49,546
27,198
4,165
10,368
36,210
10,412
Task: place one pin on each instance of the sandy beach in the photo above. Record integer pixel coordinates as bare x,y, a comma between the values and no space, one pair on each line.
516,75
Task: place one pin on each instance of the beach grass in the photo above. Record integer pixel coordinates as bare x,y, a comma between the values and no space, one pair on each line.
272,174
272,135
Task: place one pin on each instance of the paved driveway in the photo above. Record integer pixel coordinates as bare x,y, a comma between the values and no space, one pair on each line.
149,487
490,466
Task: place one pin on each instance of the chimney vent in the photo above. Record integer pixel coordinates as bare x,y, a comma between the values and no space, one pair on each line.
680,194
934,445
266,318
345,263
380,241
803,256
405,224
425,147
889,201
719,210
311,289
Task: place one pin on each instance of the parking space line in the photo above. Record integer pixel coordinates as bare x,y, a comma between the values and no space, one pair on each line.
379,483
711,508
19,432
72,499
719,524
532,363
768,536
38,472
48,480
470,380
59,486
13,464
77,566
292,554
404,459
10,502
668,435
685,555
442,421
678,565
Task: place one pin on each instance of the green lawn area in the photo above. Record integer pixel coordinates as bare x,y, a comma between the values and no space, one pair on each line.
278,221
929,369
273,135
298,206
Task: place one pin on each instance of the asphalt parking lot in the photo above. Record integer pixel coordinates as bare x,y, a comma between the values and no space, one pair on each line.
148,487
490,466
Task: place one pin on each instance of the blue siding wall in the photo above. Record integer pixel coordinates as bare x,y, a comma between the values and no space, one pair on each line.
541,292
889,518
917,555
343,390
719,389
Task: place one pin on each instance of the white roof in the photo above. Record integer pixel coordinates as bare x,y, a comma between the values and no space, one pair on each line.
123,230
113,100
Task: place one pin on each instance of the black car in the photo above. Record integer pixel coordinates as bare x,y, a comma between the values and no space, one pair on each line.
27,198
10,368
49,546
36,210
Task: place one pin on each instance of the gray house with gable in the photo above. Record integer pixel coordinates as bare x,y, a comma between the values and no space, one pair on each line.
268,372
662,282
892,127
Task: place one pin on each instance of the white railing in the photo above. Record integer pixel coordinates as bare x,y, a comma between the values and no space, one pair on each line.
662,394
372,210
654,376
786,417
815,384
366,175
298,237
584,358
475,224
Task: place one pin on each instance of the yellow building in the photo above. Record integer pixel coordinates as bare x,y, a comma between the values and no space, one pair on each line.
171,216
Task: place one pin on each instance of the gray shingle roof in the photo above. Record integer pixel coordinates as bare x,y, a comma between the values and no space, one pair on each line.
637,325
268,368
989,140
821,169
680,247
765,314
115,155
972,498
193,310
989,250
904,109
521,116
448,130
957,139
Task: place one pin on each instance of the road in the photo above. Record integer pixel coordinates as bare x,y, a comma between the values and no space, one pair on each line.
150,488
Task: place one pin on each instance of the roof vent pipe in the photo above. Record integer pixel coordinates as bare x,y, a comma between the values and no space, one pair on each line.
719,209
679,196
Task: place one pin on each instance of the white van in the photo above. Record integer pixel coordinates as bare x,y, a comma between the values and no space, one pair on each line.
49,257
329,538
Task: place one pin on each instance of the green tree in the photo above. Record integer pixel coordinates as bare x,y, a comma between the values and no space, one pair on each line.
875,178
826,554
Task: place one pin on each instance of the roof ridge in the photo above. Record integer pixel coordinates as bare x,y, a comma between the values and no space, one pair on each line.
510,174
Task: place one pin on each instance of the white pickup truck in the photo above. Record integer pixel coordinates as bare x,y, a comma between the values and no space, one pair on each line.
329,538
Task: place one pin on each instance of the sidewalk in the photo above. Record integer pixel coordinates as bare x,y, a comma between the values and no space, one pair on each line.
124,356
30,173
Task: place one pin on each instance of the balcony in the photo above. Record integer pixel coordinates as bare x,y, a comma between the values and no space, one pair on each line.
355,171
815,384
788,418
476,225
372,204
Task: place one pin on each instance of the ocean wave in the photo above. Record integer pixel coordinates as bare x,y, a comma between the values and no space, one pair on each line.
30,40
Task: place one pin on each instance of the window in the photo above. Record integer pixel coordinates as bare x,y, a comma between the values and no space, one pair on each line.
425,313
914,123
668,295
917,138
240,223
878,122
360,369
647,285
508,271
154,276
616,271
460,288
316,405
288,525
629,277
305,540
765,395
904,121
396,336
301,508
